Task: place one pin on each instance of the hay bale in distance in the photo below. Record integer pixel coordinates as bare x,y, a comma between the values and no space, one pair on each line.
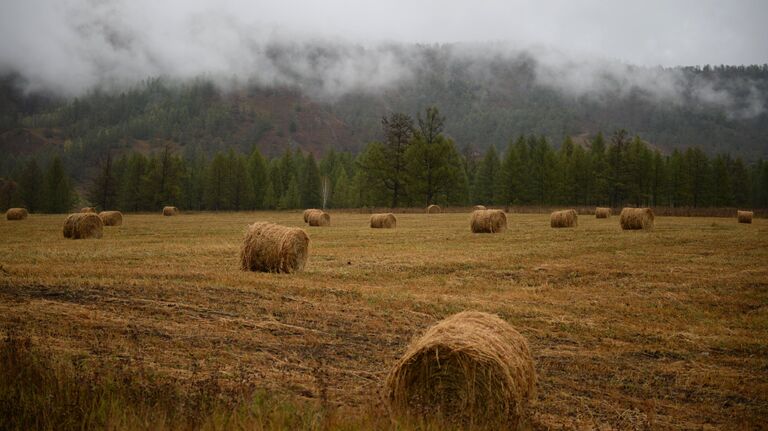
564,218
83,226
470,369
88,210
383,221
170,211
601,212
16,214
479,208
741,216
269,247
308,212
434,209
636,218
319,218
488,221
111,218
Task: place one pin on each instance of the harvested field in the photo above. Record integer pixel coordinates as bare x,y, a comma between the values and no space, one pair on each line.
658,329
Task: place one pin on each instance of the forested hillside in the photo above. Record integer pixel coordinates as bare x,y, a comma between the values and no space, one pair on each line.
686,136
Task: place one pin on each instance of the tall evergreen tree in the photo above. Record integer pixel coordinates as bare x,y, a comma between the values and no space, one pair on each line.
104,188
257,166
487,184
30,188
59,195
310,187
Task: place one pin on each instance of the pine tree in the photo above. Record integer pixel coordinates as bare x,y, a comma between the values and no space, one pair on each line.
599,172
59,194
30,186
292,197
132,189
103,190
240,184
310,187
342,191
257,166
487,184
217,183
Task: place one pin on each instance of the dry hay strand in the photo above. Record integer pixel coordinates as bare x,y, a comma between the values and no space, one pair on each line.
269,247
488,221
170,211
479,207
434,209
111,218
83,226
88,210
741,216
383,221
601,212
636,218
472,369
319,218
16,214
564,218
307,212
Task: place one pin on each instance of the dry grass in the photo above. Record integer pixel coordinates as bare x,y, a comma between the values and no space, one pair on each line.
663,329
16,214
744,216
269,247
111,218
383,221
636,218
488,221
564,218
318,218
83,225
471,369
601,212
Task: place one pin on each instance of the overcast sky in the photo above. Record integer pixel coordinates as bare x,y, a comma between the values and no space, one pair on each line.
76,43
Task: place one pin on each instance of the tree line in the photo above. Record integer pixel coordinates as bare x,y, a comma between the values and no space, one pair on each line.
415,164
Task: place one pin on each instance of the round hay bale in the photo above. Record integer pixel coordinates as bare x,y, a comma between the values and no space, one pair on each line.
307,212
88,210
471,369
269,247
488,221
434,209
383,221
636,218
741,216
601,212
111,218
170,211
564,218
319,218
16,214
83,226
479,207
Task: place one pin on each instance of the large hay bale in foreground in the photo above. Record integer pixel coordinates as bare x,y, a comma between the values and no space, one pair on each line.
16,214
88,210
269,247
636,218
434,209
383,221
83,226
744,216
308,212
170,211
472,369
564,218
488,221
601,212
319,218
111,218
479,207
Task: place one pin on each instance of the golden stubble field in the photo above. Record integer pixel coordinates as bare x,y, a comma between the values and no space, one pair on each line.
661,329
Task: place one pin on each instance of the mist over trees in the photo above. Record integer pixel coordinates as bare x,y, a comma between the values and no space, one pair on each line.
417,164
